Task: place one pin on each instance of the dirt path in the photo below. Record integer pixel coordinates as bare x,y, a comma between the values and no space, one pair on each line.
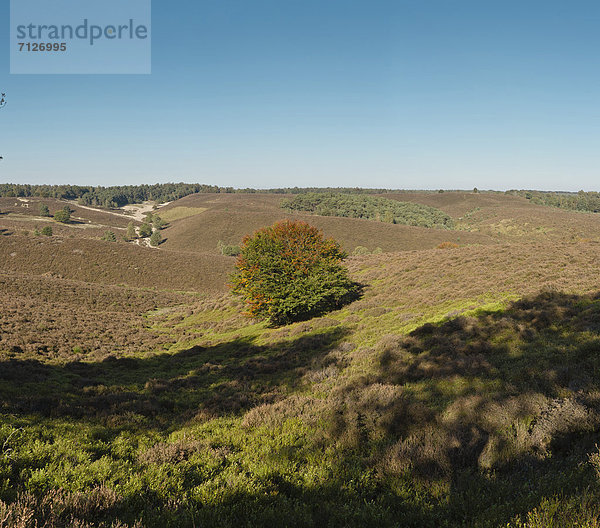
134,211
138,211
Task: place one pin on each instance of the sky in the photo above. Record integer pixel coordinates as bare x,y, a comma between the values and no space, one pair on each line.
422,94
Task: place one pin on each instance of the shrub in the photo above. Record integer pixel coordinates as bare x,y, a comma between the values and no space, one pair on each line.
229,250
47,231
62,216
44,211
288,272
360,250
156,238
109,236
158,222
145,230
131,233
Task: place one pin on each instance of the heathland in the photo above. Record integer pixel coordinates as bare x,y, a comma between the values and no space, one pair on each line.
461,389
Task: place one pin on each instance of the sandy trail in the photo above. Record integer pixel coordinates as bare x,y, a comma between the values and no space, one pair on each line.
133,211
138,211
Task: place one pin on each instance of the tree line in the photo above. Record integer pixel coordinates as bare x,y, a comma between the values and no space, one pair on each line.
118,196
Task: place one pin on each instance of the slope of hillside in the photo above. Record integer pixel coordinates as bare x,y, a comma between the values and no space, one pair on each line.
97,261
228,217
461,389
30,208
507,217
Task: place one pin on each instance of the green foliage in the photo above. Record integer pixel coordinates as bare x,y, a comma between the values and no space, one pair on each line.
361,250
289,272
229,250
369,207
109,236
581,201
117,196
158,222
155,238
62,216
44,211
46,231
131,233
145,230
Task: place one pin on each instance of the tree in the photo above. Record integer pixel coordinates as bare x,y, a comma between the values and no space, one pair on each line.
109,236
145,230
131,234
156,238
62,216
47,231
288,272
44,211
158,222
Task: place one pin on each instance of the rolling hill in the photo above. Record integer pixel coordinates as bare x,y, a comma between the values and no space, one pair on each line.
461,389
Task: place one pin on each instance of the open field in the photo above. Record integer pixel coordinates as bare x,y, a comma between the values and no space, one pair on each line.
462,389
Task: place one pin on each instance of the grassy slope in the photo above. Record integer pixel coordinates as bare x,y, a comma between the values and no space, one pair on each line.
432,401
228,217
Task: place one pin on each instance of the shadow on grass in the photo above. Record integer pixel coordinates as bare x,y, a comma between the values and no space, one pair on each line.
228,378
499,411
502,406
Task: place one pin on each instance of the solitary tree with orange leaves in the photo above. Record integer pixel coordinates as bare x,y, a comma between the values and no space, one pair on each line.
289,272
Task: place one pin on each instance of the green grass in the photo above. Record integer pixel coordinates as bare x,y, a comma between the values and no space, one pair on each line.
467,412
179,212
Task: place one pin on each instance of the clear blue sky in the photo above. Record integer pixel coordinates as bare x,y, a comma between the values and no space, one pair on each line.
397,94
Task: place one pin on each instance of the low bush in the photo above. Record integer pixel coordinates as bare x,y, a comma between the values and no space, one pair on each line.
109,236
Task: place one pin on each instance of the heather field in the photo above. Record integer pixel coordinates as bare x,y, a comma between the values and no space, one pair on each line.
462,389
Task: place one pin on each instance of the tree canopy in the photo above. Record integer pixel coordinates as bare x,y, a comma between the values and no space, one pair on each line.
368,207
289,272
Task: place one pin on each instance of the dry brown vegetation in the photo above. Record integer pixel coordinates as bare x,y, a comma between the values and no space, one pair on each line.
98,261
506,217
49,319
228,217
30,207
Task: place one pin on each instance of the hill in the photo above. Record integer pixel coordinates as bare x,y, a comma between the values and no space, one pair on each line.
461,389
507,217
228,217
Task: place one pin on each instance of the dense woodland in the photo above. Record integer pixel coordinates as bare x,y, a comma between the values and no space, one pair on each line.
369,207
118,196
110,196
